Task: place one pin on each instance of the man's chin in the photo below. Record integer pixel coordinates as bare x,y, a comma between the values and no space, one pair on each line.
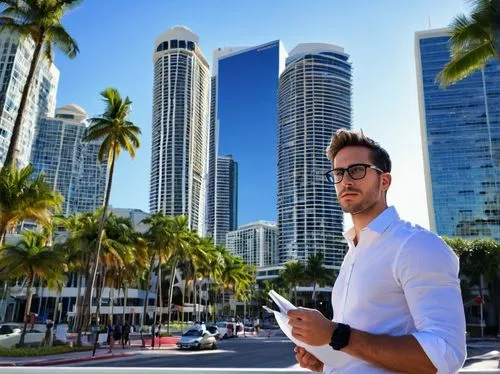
352,209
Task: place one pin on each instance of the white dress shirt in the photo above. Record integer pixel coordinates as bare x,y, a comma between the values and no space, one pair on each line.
399,280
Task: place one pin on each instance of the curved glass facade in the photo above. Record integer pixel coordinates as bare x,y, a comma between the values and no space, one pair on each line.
461,143
314,101
180,128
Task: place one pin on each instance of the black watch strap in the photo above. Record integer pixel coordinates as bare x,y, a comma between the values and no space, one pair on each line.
340,336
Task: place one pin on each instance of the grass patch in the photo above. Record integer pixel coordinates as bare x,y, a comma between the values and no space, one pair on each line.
33,352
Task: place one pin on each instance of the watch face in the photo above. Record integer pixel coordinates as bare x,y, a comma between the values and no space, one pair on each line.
340,336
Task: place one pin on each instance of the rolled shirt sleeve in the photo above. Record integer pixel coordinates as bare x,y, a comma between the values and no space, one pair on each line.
427,270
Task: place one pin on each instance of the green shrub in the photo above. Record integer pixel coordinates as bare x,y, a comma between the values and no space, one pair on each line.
32,352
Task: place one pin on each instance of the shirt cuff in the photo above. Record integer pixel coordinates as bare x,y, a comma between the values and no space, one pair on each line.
328,369
439,352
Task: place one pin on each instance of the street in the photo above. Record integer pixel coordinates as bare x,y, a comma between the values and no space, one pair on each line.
251,352
261,352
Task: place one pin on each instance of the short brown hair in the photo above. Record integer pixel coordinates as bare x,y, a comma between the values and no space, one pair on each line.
344,138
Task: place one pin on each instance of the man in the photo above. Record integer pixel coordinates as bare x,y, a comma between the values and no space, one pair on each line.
396,301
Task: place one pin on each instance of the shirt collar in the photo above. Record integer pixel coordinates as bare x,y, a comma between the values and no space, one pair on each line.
378,225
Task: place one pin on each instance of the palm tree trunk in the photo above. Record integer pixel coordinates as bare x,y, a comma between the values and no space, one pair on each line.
27,309
11,158
295,292
207,287
314,294
3,231
89,293
223,299
194,298
58,297
160,298
200,294
154,318
104,271
40,292
111,302
125,294
80,310
170,294
78,301
98,307
146,300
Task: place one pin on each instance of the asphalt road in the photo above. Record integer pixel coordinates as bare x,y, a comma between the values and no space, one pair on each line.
262,353
231,353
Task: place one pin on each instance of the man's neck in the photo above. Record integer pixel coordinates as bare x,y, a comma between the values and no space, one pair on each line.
361,220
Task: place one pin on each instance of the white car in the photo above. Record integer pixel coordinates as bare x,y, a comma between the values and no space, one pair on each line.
226,329
197,339
11,333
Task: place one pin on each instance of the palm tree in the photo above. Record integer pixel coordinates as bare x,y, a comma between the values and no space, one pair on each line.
31,258
133,272
23,196
293,274
196,255
116,133
82,230
180,242
316,273
39,21
236,276
159,235
475,39
211,271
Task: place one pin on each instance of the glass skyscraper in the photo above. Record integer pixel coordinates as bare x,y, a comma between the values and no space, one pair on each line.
460,128
181,99
226,206
15,60
243,120
314,101
69,164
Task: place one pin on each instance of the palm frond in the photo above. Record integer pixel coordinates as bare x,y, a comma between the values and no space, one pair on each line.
466,34
60,37
462,66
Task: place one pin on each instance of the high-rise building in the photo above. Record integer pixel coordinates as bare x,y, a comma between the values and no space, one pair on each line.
93,178
256,243
226,206
314,101
70,165
212,142
15,60
180,127
460,128
136,216
244,111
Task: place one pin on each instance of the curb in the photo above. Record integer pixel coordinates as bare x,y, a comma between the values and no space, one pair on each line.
65,360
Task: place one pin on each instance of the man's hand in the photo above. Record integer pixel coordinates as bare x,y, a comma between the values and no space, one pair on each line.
307,360
310,326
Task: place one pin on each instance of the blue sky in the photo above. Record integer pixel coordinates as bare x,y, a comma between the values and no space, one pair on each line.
116,40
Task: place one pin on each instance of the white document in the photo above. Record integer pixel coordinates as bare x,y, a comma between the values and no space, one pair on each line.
324,353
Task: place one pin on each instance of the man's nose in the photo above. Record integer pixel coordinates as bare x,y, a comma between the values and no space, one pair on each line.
346,179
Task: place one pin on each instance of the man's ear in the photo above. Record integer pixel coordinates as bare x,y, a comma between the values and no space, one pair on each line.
386,181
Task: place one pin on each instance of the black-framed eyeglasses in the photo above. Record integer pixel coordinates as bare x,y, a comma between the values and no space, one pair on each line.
356,171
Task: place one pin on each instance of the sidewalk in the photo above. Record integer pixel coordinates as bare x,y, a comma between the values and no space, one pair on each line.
101,354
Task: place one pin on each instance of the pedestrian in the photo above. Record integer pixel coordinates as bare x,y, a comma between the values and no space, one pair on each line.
396,301
48,337
110,339
117,332
32,320
125,335
256,324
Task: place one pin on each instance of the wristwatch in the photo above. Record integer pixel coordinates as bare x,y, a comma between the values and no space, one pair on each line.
340,336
